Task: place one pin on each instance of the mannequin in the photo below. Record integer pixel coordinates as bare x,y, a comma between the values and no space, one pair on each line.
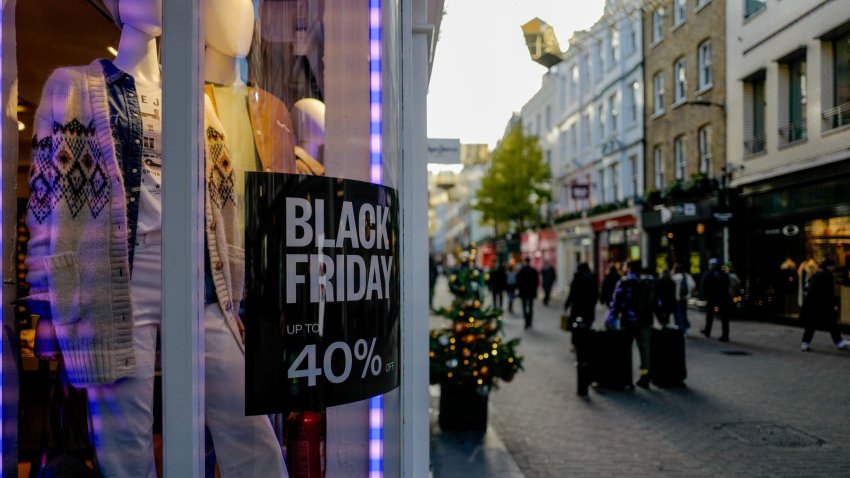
94,261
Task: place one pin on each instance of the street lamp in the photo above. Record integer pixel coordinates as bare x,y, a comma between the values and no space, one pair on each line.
727,171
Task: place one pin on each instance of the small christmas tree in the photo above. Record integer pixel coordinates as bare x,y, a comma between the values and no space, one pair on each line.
472,351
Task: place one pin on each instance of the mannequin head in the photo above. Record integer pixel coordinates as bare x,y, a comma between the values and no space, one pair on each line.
143,15
229,26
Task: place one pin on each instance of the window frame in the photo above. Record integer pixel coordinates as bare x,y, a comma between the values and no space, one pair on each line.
680,81
658,93
705,73
657,20
658,166
680,160
704,135
680,12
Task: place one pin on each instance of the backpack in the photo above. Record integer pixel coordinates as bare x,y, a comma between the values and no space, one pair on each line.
639,295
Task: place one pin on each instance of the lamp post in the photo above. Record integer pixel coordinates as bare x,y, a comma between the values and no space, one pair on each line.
727,171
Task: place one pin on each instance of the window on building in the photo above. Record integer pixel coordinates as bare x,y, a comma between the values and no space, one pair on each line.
701,3
548,118
598,60
679,79
585,129
704,65
636,175
794,127
585,72
680,11
631,45
613,113
562,148
658,93
658,25
633,104
603,183
658,167
574,140
680,162
754,121
614,52
548,158
537,125
574,83
615,182
839,115
751,7
600,121
562,92
705,150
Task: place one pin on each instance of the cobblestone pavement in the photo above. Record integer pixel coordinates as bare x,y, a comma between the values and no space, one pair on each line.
757,406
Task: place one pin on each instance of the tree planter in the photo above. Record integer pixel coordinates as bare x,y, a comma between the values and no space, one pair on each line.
462,408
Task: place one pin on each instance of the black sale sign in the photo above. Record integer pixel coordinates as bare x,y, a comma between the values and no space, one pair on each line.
322,292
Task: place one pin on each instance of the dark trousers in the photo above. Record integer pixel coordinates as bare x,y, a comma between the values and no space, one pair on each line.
547,291
527,310
642,335
716,308
832,328
680,315
498,299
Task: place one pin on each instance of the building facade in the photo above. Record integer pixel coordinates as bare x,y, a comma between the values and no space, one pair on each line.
788,85
685,71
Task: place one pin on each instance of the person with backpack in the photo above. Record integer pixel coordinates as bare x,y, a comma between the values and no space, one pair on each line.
632,308
715,290
665,290
684,283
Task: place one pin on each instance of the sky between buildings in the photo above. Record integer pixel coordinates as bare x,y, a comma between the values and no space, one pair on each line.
482,69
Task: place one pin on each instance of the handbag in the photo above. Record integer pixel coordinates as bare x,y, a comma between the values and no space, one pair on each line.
567,322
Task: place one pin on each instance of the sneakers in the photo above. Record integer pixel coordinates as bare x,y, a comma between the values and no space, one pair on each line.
843,345
805,347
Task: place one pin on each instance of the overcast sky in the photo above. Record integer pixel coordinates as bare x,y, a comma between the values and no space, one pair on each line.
482,69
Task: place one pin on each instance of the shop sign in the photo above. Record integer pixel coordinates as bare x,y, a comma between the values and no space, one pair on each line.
580,191
722,216
613,223
791,230
322,292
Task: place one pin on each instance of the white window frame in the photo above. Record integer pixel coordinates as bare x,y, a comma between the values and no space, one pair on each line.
680,12
633,166
613,48
680,81
704,72
633,106
613,113
600,121
680,161
615,182
657,25
574,83
705,155
658,165
658,93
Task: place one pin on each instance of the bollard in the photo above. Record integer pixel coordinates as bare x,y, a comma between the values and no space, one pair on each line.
580,339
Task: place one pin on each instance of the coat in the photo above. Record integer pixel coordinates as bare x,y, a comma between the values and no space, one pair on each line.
584,292
527,282
819,303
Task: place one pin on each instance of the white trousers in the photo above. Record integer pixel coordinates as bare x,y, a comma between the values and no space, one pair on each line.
122,413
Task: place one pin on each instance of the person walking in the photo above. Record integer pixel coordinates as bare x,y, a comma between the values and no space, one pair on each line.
510,286
527,282
665,290
684,284
609,283
548,278
715,290
632,307
581,301
820,308
497,285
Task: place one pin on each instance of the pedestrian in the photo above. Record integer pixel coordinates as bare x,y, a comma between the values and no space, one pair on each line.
433,273
665,290
548,278
820,308
715,290
632,307
609,282
684,285
497,285
581,301
510,286
734,290
527,282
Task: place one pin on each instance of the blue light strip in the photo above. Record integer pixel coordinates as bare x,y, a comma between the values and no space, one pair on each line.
376,159
376,162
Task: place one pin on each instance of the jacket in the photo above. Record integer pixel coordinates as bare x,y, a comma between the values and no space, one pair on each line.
79,216
691,283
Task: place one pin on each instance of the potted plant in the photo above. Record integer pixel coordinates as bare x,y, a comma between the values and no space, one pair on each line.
469,357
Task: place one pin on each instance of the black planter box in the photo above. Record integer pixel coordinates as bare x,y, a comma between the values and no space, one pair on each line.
462,408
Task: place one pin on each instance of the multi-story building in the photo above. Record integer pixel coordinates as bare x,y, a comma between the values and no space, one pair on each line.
788,127
685,209
598,165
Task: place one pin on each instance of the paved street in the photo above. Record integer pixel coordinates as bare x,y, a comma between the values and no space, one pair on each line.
757,406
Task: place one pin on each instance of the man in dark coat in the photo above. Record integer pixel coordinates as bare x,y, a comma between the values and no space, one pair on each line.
548,278
820,308
632,308
497,285
584,290
609,283
527,282
715,291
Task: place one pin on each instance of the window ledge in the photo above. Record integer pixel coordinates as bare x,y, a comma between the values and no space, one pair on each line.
657,114
655,43
748,18
755,155
678,25
704,89
790,144
836,130
678,103
701,6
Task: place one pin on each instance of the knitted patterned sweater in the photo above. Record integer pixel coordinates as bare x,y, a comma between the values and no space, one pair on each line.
78,255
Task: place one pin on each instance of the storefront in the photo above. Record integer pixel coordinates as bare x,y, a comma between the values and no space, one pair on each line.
685,233
618,239
539,246
213,209
575,245
790,225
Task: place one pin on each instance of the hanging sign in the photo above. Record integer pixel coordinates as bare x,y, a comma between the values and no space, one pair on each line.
322,292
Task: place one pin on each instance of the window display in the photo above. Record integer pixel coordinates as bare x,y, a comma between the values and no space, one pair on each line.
294,108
